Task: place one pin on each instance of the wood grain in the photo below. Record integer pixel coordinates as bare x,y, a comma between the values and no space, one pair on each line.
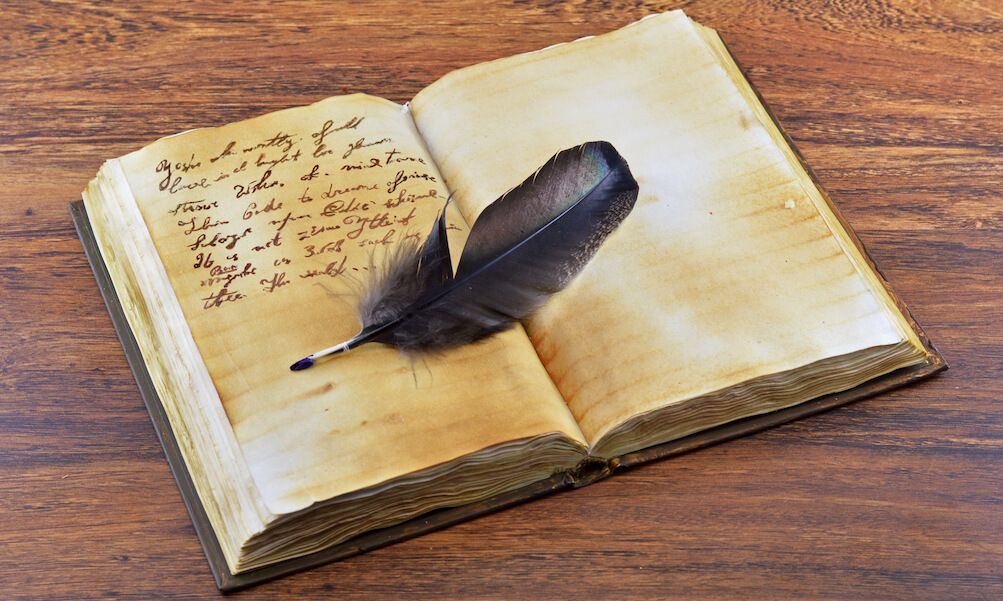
896,105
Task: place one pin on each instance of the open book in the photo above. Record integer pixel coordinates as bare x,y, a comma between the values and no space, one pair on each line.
732,290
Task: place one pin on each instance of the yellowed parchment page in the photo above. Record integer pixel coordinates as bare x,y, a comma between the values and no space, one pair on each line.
265,229
725,271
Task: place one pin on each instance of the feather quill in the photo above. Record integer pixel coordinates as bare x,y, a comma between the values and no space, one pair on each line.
524,247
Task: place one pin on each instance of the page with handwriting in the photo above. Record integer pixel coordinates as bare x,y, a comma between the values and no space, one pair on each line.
725,271
266,229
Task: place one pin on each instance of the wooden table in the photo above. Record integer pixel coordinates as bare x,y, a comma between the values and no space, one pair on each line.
897,105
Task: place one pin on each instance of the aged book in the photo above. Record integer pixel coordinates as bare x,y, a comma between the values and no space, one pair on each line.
731,298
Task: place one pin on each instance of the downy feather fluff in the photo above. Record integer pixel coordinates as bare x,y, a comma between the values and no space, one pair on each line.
523,248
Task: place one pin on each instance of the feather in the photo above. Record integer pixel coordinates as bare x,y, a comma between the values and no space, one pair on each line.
524,247
409,271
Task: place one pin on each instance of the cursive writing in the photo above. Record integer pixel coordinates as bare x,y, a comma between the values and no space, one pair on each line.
402,177
251,236
252,209
223,296
331,192
194,226
333,269
404,197
227,241
261,184
361,143
284,142
328,128
193,206
227,275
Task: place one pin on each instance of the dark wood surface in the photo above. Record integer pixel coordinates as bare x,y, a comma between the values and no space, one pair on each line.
897,106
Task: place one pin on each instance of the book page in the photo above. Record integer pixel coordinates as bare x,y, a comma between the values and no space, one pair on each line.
725,271
266,229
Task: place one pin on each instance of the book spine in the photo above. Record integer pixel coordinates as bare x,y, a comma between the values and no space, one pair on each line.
592,469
